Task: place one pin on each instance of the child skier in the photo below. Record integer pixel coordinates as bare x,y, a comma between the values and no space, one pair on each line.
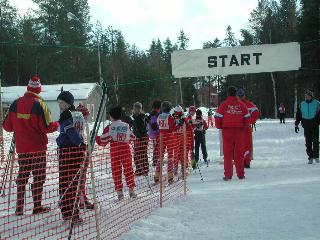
119,135
166,127
178,138
200,127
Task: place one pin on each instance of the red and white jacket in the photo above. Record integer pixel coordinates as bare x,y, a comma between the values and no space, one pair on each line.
115,133
232,113
166,123
253,110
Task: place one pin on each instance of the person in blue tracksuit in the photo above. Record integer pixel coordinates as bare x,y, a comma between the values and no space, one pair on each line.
308,114
71,156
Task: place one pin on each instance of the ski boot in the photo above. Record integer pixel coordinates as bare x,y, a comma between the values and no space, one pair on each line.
120,195
132,194
310,161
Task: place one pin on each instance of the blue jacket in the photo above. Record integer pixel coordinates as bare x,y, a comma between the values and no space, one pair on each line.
69,136
308,113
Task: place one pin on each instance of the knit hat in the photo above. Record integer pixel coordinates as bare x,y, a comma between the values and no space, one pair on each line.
67,97
81,108
232,91
116,112
240,92
137,105
156,104
199,112
34,85
192,109
165,106
178,109
309,92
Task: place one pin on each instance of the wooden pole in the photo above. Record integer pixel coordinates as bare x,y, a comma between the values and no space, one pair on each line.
184,159
95,202
161,168
1,129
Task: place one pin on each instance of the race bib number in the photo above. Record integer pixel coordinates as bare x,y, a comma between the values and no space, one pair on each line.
119,132
163,121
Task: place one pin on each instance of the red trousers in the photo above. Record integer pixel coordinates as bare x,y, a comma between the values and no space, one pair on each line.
121,159
248,146
210,121
233,148
178,151
167,144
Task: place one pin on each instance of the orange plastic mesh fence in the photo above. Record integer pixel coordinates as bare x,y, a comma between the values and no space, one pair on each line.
60,179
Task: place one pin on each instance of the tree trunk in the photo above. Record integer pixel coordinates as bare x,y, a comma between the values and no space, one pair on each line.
295,100
274,95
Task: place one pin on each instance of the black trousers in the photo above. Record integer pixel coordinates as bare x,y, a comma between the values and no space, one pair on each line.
311,134
200,140
70,160
282,117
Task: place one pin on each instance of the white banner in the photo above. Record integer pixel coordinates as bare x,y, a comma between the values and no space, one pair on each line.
236,60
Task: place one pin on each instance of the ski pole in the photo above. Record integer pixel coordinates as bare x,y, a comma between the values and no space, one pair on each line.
149,185
199,172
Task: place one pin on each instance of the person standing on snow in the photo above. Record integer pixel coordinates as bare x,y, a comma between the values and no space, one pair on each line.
200,127
153,130
254,115
178,139
210,120
71,156
84,201
190,134
30,120
139,127
166,127
308,114
233,118
119,135
282,113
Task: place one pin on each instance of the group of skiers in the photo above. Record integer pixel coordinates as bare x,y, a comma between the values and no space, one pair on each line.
29,118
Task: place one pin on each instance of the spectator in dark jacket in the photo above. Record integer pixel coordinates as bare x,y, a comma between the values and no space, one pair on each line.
308,114
141,143
71,157
30,120
125,118
153,130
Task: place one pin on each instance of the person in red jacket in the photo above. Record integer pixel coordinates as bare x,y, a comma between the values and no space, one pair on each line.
232,117
178,138
190,135
30,120
254,115
119,135
166,127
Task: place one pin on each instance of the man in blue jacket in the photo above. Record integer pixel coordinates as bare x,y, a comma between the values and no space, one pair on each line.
308,114
71,156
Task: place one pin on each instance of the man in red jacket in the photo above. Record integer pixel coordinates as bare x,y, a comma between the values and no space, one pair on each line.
30,120
254,115
232,117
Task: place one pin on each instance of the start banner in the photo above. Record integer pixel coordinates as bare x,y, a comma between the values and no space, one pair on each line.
236,60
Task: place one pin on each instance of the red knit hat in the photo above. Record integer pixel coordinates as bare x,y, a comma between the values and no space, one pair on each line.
34,85
85,112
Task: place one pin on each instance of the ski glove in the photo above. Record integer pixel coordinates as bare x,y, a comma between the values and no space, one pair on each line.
296,129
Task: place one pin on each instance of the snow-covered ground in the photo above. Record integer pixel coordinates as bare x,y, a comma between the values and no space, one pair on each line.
279,199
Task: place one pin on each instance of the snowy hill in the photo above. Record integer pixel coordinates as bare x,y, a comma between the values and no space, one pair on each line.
278,200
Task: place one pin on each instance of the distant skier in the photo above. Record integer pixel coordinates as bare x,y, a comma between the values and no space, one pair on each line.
308,113
233,118
119,135
210,117
200,127
254,115
282,113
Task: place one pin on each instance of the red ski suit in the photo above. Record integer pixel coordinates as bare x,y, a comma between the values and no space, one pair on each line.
254,115
190,137
166,127
178,143
118,134
233,118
